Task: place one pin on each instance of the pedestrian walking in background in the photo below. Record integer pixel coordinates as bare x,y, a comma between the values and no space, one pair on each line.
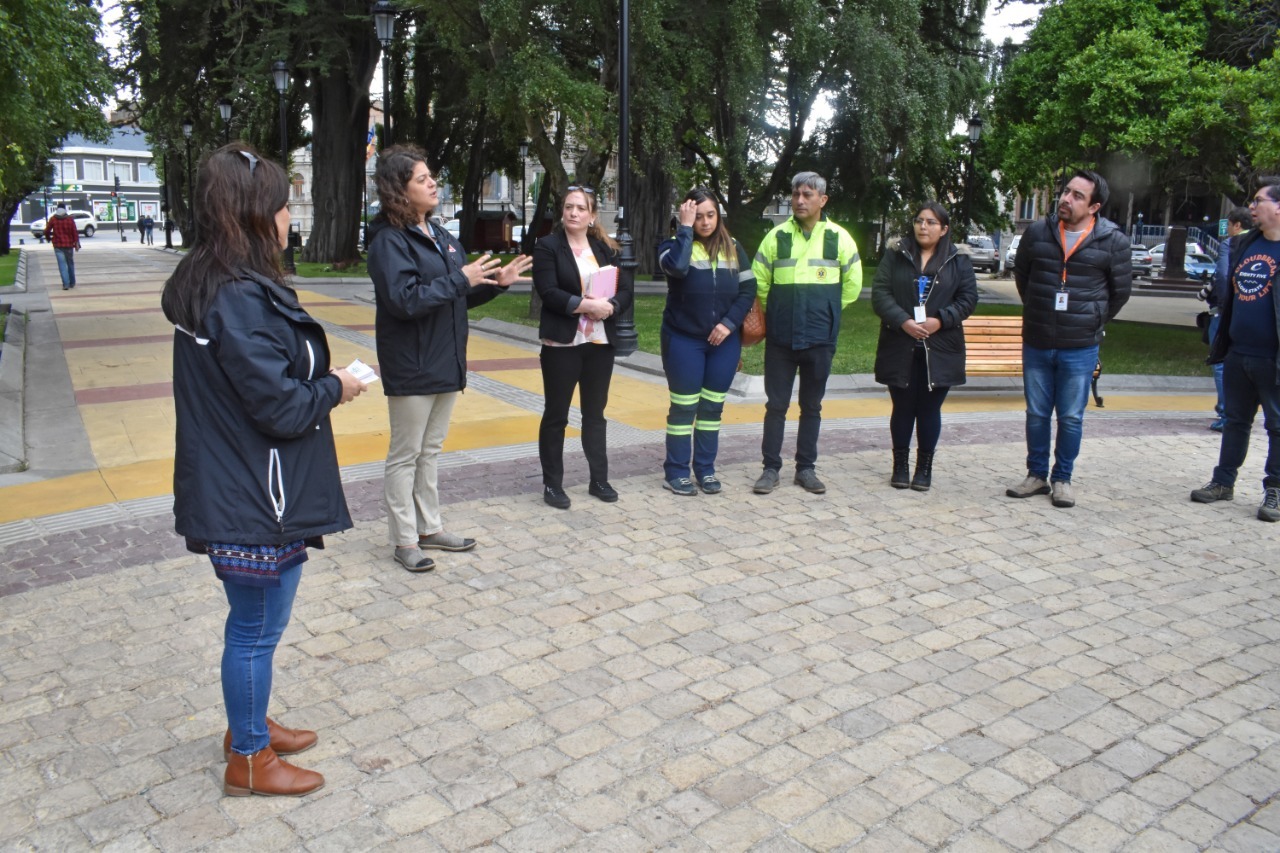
256,478
1216,292
579,340
61,231
149,229
1074,271
710,288
922,292
1248,346
807,271
423,287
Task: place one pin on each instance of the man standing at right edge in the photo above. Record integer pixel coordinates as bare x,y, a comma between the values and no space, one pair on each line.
1073,271
1248,345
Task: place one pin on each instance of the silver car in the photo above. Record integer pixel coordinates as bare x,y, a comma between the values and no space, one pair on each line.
982,253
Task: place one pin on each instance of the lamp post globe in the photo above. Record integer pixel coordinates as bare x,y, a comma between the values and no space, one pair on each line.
224,110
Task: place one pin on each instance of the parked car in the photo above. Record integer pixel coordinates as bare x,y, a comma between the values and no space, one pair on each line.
86,224
1013,250
982,253
1197,264
1141,261
1157,253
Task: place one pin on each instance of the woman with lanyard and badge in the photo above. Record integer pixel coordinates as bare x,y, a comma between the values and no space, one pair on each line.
922,293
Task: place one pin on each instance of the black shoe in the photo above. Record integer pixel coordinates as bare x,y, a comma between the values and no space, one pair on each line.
602,490
901,476
924,471
555,496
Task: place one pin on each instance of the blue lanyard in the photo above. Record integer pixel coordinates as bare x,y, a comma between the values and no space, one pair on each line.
922,284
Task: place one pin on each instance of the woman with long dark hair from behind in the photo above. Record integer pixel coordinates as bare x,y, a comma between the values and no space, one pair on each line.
255,470
579,339
923,291
710,288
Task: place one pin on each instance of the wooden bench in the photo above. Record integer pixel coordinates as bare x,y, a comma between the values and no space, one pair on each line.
993,347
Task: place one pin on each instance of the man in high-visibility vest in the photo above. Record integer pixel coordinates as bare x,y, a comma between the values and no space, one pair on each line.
807,270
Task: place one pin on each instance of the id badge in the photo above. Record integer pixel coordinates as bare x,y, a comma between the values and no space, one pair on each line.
1060,302
920,315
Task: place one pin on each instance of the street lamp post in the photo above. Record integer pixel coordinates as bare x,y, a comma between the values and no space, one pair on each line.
224,110
627,339
166,209
524,226
384,24
888,198
187,127
115,198
975,131
280,75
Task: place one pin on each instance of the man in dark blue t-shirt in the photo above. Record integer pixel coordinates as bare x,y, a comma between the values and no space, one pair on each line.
1248,345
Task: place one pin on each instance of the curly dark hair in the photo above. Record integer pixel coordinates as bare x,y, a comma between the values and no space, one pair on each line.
237,196
395,168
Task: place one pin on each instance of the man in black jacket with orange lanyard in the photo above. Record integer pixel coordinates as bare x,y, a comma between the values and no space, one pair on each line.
1073,271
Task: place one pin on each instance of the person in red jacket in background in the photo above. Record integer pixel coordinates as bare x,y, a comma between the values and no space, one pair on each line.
61,231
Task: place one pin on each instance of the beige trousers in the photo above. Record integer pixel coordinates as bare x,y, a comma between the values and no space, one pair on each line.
418,429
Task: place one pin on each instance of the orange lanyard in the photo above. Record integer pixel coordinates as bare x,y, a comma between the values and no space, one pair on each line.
1067,253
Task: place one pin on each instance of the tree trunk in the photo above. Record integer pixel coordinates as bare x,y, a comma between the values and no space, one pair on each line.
8,207
650,213
474,183
340,115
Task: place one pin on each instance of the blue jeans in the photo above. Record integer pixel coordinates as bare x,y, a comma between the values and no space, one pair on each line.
257,620
1056,379
1248,383
66,266
780,367
698,377
1220,409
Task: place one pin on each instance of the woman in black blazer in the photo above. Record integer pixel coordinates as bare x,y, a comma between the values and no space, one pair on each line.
578,334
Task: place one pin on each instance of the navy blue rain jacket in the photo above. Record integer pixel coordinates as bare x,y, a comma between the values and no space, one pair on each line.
255,462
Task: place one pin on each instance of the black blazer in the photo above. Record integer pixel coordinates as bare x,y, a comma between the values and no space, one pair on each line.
559,285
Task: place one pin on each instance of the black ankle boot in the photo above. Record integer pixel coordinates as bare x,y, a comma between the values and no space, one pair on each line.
924,471
901,468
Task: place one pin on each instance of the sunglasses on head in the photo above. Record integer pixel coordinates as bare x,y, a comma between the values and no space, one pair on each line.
587,190
253,161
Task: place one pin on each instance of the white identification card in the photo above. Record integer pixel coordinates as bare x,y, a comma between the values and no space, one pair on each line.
362,371
920,315
1060,303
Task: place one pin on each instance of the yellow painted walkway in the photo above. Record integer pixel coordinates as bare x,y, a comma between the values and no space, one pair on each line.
118,349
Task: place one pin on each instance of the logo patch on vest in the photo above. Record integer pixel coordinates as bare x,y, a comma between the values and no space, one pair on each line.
820,273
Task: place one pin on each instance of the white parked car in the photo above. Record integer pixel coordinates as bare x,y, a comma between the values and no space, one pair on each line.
1157,253
1012,251
86,224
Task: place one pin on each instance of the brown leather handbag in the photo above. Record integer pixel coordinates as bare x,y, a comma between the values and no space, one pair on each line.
753,325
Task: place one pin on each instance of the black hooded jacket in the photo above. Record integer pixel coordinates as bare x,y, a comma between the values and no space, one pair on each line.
255,462
952,298
422,298
1099,278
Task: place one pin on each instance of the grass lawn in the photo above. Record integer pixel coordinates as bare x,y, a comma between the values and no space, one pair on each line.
8,268
1129,347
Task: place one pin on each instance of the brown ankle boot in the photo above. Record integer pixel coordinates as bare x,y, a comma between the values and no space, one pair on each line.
283,741
263,773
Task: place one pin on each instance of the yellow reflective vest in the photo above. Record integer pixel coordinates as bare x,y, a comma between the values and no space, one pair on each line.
805,281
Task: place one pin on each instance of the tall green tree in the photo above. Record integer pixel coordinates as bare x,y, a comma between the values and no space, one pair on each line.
54,80
1129,85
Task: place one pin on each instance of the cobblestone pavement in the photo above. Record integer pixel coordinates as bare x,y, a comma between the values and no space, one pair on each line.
868,669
